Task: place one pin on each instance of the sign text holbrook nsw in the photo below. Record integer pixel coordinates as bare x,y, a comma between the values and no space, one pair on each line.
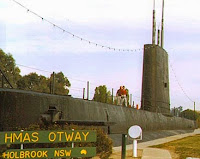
17,137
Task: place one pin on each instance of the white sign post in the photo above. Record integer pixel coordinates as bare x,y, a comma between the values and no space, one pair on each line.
135,133
22,145
134,148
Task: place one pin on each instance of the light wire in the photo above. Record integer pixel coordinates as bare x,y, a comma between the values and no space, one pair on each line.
78,37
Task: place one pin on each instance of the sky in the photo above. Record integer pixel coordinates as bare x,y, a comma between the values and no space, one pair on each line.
120,24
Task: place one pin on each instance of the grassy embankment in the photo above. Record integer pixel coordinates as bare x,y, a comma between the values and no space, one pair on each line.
186,147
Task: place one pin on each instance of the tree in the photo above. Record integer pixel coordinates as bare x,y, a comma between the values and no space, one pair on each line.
102,95
34,82
9,68
61,83
189,114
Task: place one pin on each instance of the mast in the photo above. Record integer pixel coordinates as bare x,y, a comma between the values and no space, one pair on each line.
162,26
154,24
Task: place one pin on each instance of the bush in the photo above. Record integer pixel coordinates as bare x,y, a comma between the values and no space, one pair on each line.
103,144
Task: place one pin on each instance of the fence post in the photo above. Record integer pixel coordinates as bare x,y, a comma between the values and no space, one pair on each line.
112,95
194,111
53,83
50,87
88,84
72,144
174,111
83,93
131,100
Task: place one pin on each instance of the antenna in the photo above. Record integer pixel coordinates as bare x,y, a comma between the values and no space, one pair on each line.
154,24
158,39
162,26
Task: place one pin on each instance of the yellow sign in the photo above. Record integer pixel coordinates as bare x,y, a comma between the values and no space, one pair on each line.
50,153
17,137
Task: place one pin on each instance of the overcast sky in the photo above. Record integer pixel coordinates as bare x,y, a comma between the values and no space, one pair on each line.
122,24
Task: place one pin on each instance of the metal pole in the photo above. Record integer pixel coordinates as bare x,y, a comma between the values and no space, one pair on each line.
22,146
53,83
50,89
6,78
131,100
154,24
174,111
194,111
88,89
112,95
158,40
124,136
72,142
134,148
162,26
83,93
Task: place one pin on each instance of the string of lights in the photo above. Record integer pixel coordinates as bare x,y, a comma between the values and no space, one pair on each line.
76,36
180,84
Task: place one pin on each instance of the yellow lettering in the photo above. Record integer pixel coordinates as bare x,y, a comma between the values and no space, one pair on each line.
68,153
85,135
35,135
16,155
54,136
12,155
33,154
60,135
56,153
45,154
21,154
69,137
16,138
26,137
78,136
39,154
27,154
5,155
8,138
62,153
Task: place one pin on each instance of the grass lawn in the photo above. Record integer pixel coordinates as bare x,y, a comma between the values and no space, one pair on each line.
186,147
